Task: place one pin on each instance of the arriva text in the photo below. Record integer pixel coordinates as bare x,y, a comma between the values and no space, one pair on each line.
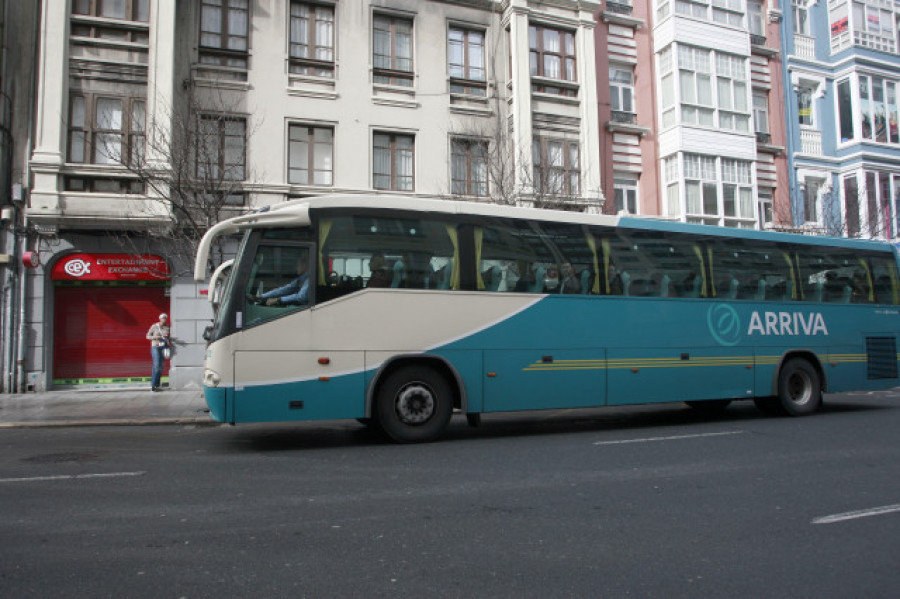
787,323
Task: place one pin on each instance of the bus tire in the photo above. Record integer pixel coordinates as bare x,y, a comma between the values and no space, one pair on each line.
414,404
799,387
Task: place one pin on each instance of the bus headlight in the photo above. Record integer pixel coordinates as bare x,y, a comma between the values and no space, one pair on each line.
211,378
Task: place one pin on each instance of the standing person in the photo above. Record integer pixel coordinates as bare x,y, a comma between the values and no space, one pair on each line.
159,340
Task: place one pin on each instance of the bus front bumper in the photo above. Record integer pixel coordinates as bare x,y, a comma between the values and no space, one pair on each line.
217,401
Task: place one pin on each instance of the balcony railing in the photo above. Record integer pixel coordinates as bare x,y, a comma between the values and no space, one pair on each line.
622,8
619,116
804,46
763,138
757,39
811,141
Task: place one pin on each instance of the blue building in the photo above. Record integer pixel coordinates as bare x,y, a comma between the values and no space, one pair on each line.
841,76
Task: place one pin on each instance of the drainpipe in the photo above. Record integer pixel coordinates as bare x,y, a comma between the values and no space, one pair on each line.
792,123
23,245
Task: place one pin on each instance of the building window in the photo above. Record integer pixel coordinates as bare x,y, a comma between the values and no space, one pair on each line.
873,26
761,112
668,96
766,208
104,185
715,191
310,155
469,167
392,50
695,77
312,39
625,195
124,10
393,162
621,87
552,56
221,148
731,81
465,49
662,9
728,12
755,21
845,110
84,25
811,201
224,27
878,109
692,8
737,190
805,105
106,130
851,206
556,167
800,15
700,184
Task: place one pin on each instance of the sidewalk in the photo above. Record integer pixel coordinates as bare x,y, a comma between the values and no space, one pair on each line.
103,407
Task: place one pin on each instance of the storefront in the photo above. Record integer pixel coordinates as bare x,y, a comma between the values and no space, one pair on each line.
103,305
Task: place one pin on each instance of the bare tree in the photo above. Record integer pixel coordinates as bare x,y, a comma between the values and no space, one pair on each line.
547,174
189,160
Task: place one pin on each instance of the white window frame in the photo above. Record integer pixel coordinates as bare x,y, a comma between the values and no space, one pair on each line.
621,89
625,190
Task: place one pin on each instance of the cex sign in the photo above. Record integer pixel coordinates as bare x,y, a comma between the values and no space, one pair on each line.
110,267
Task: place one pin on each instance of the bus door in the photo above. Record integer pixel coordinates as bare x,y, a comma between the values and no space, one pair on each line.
542,379
275,290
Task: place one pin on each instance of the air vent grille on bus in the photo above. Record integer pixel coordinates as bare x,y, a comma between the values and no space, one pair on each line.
881,356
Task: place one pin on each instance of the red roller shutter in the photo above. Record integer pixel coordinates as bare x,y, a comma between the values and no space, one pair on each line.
99,332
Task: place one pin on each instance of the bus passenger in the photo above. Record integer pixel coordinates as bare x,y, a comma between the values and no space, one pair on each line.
295,292
613,280
379,277
568,282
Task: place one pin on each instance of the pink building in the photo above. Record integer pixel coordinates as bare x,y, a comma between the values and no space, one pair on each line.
692,118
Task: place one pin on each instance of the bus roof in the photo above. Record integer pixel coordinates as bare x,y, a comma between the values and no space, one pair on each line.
296,213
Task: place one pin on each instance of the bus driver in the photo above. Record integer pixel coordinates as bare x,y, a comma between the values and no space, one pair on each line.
295,292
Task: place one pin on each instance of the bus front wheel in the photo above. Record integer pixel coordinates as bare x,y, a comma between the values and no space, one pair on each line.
799,388
414,404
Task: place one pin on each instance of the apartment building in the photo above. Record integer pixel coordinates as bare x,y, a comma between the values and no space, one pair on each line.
156,117
842,71
693,126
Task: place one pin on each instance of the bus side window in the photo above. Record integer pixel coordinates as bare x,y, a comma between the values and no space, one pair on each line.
359,252
885,280
514,257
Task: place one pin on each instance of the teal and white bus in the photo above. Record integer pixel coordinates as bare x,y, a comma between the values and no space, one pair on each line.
399,311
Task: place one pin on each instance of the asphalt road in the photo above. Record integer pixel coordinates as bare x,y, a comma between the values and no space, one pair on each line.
627,502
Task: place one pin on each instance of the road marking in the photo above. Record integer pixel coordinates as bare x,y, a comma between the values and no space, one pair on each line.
72,477
875,511
673,438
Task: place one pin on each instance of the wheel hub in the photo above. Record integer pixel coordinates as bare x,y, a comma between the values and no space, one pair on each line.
415,403
799,388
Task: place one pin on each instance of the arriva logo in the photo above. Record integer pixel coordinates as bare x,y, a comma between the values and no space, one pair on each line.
787,323
725,324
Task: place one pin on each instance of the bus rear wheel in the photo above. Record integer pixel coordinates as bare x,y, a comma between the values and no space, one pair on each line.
799,388
414,405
